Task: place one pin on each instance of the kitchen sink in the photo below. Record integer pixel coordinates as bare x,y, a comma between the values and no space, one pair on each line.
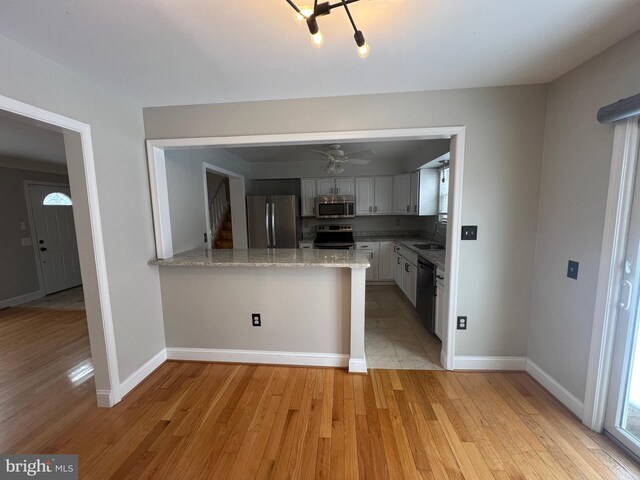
429,246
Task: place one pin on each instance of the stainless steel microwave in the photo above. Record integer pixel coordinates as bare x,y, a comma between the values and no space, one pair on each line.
335,206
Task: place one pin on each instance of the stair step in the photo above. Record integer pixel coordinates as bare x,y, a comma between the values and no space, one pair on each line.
225,235
223,244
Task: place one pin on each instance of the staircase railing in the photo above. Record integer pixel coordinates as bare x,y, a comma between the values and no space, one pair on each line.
218,209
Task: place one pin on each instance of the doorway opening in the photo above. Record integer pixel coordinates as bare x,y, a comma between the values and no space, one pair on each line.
58,228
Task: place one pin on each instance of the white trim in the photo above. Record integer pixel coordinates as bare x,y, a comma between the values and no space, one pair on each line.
106,320
452,252
553,386
20,299
357,365
133,380
160,206
489,363
258,356
616,226
105,399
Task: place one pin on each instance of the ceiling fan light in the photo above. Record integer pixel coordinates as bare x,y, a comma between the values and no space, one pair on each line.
317,39
364,50
304,14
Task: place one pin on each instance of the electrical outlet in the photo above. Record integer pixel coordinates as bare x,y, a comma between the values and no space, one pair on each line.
469,232
462,323
255,319
572,269
206,237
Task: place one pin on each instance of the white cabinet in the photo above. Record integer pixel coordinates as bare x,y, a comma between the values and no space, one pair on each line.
305,245
440,294
385,262
383,187
425,187
402,194
364,196
370,249
335,186
406,271
308,193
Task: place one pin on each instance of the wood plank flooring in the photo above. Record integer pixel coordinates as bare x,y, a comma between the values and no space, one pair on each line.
209,421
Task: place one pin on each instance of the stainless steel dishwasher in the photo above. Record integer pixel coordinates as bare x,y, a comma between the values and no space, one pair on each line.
426,294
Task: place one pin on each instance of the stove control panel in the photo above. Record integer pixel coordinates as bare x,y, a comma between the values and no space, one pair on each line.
334,228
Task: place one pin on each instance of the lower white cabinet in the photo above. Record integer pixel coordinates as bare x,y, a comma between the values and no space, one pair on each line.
405,272
439,302
380,258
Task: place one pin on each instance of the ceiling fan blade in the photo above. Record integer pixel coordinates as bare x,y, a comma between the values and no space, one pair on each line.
361,152
323,153
358,161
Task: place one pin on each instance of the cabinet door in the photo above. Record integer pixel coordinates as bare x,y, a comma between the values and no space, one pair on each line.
385,261
383,195
325,186
398,264
415,192
429,191
345,186
364,195
402,194
308,192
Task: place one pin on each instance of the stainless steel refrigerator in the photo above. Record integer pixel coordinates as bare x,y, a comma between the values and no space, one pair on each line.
273,221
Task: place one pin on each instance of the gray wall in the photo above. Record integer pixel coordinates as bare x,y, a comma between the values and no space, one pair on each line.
19,272
185,186
575,175
123,190
501,181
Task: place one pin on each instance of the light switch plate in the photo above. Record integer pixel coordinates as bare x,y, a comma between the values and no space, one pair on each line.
469,232
572,269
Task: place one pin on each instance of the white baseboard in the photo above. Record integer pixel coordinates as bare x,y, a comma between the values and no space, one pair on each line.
133,380
27,297
551,384
258,356
489,363
357,365
105,399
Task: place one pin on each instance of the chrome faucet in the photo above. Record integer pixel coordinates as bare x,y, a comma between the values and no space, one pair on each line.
438,225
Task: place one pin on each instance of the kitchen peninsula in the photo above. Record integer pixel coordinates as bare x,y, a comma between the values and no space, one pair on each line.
310,302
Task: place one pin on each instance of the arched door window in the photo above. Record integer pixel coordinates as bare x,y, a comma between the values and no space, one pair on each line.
57,199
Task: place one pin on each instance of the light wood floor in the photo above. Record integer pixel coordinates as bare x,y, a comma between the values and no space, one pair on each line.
197,420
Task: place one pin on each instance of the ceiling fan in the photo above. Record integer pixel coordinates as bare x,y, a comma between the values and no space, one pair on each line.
336,158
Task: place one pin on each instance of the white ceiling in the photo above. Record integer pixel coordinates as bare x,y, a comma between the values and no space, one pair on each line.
25,140
165,52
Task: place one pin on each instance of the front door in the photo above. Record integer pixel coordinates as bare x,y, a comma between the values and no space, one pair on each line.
55,237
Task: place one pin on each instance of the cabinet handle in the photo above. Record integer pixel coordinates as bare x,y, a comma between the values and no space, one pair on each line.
408,208
370,209
375,209
438,276
398,260
371,256
406,267
415,209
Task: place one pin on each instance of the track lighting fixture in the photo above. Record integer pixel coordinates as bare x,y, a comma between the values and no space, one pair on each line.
310,15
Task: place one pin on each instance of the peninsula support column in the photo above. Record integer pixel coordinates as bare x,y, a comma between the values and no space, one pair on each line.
357,360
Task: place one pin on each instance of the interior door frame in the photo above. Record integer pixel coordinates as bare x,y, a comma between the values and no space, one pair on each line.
160,203
622,175
80,142
32,226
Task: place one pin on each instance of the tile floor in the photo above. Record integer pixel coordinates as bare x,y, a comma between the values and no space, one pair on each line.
394,337
72,298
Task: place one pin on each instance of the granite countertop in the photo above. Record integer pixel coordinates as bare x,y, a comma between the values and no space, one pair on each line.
263,257
409,241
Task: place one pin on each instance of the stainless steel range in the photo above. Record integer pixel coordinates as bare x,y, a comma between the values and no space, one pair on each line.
338,237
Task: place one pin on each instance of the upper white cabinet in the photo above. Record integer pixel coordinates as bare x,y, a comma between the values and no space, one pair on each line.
308,193
383,195
364,196
427,191
335,186
416,193
402,194
374,195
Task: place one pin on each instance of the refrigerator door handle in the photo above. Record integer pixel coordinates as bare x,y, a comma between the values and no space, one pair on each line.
266,219
273,224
